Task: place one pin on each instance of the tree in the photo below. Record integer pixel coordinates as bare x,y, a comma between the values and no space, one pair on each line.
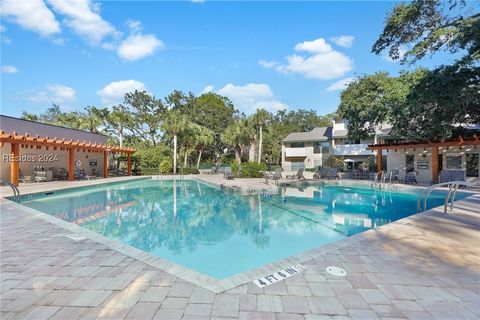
94,118
174,122
204,138
235,138
118,120
147,113
247,126
426,26
260,118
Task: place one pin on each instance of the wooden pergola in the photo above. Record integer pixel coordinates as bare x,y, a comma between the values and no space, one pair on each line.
435,145
55,143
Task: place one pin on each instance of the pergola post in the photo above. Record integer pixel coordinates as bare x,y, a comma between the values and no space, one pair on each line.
71,164
129,163
105,163
14,164
435,164
379,160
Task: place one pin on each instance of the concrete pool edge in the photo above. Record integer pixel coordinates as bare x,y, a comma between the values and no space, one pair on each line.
209,283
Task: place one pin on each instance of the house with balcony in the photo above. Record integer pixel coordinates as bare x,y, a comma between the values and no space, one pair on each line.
306,149
355,151
310,149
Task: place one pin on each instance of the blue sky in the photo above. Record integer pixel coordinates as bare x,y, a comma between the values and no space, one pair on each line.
270,54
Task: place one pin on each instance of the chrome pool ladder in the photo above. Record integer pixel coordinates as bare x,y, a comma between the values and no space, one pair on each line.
450,197
16,192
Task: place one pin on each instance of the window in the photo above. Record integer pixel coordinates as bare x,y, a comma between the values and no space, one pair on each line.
296,165
409,163
321,147
297,145
352,141
472,164
454,162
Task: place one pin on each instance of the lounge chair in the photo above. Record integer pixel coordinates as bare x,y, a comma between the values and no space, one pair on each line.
227,173
62,174
411,177
452,175
23,178
321,174
213,170
297,176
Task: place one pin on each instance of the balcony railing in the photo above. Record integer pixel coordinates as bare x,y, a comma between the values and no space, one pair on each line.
351,150
295,152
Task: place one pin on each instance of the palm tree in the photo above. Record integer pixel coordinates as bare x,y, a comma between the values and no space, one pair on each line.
204,138
260,118
235,138
174,122
248,128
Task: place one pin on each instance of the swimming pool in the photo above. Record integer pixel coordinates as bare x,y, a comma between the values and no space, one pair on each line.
219,233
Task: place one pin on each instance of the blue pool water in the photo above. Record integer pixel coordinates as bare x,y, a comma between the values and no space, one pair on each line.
220,233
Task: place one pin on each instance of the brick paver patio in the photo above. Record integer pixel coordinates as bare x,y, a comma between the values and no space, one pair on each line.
422,267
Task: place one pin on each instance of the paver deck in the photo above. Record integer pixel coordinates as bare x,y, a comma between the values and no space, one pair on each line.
423,267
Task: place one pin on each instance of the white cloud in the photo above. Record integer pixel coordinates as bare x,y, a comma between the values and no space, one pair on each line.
32,15
316,46
134,25
84,18
2,28
115,91
320,66
343,41
321,61
340,84
9,69
252,96
268,64
55,93
207,89
138,46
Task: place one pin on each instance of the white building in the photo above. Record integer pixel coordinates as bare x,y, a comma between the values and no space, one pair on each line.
431,162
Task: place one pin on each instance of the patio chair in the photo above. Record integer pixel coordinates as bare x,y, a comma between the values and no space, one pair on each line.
62,174
332,174
80,174
23,178
322,174
297,176
277,175
411,177
227,173
452,175
213,170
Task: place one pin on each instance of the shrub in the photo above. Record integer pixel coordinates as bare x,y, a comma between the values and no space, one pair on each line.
166,166
252,170
335,162
235,168
189,171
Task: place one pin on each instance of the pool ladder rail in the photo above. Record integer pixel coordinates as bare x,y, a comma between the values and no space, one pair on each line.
383,180
452,191
16,192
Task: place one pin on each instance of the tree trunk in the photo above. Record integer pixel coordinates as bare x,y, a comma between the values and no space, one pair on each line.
199,157
238,155
174,153
260,142
251,152
120,136
185,158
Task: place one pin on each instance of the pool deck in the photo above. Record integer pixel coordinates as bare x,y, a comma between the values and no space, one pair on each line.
426,266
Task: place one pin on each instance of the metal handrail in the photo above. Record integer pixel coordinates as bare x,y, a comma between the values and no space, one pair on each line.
16,192
452,191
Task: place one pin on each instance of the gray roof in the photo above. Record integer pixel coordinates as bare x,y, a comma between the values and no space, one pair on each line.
340,133
21,127
317,134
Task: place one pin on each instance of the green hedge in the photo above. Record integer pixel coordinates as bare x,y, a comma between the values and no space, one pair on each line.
189,171
249,169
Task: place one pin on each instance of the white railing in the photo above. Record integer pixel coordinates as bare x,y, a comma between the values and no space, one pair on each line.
295,152
452,191
351,150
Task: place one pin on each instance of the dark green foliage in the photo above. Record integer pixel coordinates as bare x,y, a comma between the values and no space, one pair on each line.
166,166
189,171
251,170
